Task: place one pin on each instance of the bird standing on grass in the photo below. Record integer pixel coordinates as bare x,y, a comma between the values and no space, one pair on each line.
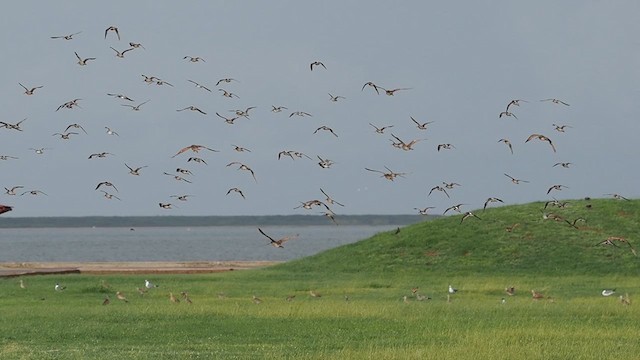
149,285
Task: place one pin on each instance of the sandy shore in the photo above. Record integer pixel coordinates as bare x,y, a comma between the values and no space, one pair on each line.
142,267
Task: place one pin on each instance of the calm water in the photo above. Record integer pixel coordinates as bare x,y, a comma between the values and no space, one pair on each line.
174,243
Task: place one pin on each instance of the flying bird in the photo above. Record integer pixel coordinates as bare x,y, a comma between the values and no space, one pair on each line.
380,130
491,200
106,183
66,37
243,167
329,200
390,175
467,215
193,108
5,208
31,90
120,96
506,113
455,208
135,171
541,138
317,63
236,190
374,86
194,148
120,54
439,188
280,242
393,91
81,61
336,98
556,101
193,59
421,126
514,180
199,86
112,28
326,128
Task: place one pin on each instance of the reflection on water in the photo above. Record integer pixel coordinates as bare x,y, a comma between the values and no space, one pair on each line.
218,243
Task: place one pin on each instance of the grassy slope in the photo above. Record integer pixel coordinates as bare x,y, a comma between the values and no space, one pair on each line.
479,257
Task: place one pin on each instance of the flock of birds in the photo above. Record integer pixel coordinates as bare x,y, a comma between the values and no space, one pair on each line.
198,153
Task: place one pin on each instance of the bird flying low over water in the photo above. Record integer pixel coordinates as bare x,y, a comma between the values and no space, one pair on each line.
278,243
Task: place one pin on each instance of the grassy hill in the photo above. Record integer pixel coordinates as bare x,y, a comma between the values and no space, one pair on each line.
449,245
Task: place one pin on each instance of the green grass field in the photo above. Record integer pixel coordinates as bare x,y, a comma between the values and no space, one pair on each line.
361,313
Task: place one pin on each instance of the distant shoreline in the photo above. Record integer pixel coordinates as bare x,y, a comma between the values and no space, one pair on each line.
194,221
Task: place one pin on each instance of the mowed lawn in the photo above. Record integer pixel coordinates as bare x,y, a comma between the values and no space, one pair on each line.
362,312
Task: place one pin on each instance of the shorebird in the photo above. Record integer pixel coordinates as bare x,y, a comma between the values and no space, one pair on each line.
34,192
421,126
226,80
280,242
624,300
608,292
240,148
15,126
81,61
194,148
336,98
563,164
135,171
136,45
66,37
331,215
515,102
506,113
329,200
193,108
7,157
149,285
137,107
277,109
536,295
424,211
317,63
69,104
393,91
560,128
59,287
452,290
450,185
120,54
324,163
66,135
99,155
181,197
314,294
29,91
149,79
310,204
326,128
390,175
228,120
290,298
177,177
404,145
199,86
618,197
467,215
163,82
439,188
5,208
12,191
556,187
300,113
611,242
374,86
228,94
510,290
110,196
491,200
541,138
236,190
173,298
455,208
514,180
111,132
256,300
380,130
121,296
22,285
193,59
556,101
243,113
120,96
511,227
197,159
185,297
421,297
112,28
106,183
445,146
39,151
243,167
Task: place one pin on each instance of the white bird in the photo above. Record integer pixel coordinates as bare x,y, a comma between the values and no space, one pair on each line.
149,285
59,287
452,290
608,292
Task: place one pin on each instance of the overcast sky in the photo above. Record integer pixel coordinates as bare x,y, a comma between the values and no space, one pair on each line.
461,64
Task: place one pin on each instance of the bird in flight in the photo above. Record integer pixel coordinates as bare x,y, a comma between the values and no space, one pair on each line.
112,28
31,90
506,141
277,109
556,101
136,45
236,190
541,138
618,197
99,155
33,192
506,113
110,196
563,164
66,37
374,86
81,61
181,197
15,126
491,200
421,126
120,96
243,167
106,183
326,128
393,91
69,104
135,171
515,102
336,98
120,54
111,132
228,94
424,211
467,215
455,208
560,128
194,148
514,180
193,108
317,63
380,130
5,208
329,199
66,135
280,242
390,175
556,187
439,188
324,163
300,113
12,191
226,80
446,147
199,86
193,59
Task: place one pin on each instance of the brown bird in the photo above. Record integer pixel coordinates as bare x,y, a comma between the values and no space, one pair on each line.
236,190
510,290
467,215
491,200
121,296
328,199
112,28
106,300
536,295
186,298
380,130
193,108
390,175
256,300
374,86
280,242
82,61
421,126
556,187
541,138
120,54
314,294
244,167
5,208
194,148
29,91
625,300
173,298
512,227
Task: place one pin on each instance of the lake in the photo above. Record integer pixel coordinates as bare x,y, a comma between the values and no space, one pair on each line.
215,243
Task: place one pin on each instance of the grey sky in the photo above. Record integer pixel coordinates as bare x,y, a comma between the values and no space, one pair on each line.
463,64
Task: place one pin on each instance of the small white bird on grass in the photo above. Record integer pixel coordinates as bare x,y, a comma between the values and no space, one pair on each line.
608,292
452,290
59,287
149,285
